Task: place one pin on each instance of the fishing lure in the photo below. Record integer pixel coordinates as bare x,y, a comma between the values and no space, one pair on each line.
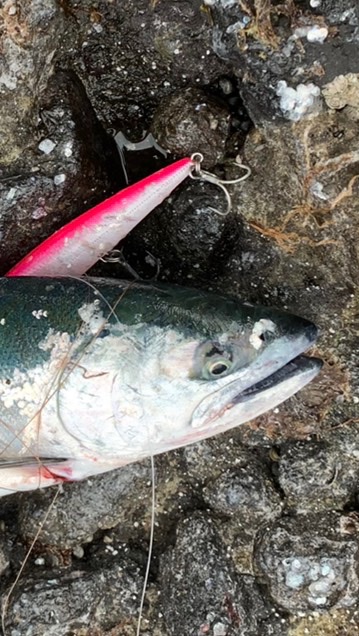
79,244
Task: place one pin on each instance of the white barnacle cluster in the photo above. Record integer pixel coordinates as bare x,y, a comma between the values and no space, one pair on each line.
298,102
260,327
315,33
39,313
92,316
320,577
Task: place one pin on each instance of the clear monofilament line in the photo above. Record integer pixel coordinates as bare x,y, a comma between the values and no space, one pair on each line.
150,546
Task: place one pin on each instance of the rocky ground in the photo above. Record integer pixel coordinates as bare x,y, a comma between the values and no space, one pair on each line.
257,531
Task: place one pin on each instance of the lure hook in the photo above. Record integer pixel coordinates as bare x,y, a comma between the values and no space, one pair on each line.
203,175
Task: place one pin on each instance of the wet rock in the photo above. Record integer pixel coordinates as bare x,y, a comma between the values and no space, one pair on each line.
191,121
236,485
30,33
77,602
302,211
211,598
247,497
83,508
310,562
132,56
121,500
245,492
316,475
72,167
204,462
294,46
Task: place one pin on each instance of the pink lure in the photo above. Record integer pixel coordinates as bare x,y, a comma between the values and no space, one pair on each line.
78,245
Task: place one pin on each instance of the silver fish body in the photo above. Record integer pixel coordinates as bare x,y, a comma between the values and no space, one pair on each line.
99,373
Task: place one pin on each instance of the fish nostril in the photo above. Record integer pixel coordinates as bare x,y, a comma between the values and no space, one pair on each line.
267,336
311,332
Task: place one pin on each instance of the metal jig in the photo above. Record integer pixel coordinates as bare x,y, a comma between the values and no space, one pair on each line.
203,175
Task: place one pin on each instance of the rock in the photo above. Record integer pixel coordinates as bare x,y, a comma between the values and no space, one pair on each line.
53,186
29,37
301,45
131,57
246,496
97,600
121,499
246,493
186,238
309,562
211,598
192,121
317,475
83,508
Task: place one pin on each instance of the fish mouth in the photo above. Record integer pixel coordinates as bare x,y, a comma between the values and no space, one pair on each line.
296,371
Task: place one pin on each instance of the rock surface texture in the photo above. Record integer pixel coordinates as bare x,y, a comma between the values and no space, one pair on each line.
257,531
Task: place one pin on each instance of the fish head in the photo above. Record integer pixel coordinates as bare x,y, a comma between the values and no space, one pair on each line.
204,363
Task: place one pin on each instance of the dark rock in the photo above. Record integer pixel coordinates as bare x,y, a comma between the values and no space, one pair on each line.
310,562
63,603
30,33
210,598
244,492
189,241
317,475
132,56
191,121
291,42
121,499
82,509
72,168
246,496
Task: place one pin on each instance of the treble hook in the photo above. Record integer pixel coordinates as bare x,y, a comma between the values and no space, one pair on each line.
198,173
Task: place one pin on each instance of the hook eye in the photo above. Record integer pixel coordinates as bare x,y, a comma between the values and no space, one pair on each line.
197,173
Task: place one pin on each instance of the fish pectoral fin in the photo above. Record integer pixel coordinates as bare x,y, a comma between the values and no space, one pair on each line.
29,461
19,475
31,473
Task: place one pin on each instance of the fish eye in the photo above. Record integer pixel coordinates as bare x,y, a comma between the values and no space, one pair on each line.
218,368
213,360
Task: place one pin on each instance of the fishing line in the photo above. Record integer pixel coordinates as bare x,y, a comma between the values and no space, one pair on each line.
26,558
153,470
150,545
60,379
